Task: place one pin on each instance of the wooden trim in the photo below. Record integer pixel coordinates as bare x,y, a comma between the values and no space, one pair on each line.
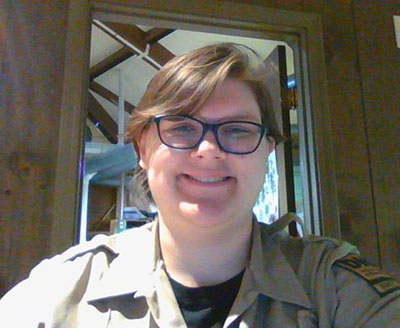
302,31
72,128
198,15
319,138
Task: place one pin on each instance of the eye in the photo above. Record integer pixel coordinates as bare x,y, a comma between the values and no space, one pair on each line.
182,128
239,130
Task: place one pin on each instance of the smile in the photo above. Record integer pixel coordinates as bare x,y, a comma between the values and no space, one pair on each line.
207,180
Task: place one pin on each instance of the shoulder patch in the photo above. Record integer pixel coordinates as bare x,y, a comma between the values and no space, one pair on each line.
382,282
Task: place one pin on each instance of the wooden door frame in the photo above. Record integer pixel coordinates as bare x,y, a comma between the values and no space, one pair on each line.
302,31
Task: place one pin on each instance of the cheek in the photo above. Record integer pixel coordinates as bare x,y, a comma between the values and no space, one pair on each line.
156,164
253,167
262,169
257,167
162,165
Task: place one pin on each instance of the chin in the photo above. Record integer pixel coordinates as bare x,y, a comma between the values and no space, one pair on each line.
205,216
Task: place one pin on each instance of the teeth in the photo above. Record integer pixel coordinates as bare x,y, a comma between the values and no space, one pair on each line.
207,180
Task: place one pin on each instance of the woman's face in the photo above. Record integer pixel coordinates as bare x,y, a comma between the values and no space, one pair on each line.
205,186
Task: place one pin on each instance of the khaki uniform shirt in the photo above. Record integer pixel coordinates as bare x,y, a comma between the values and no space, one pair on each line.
120,281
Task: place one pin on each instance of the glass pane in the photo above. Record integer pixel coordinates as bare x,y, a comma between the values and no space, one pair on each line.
267,206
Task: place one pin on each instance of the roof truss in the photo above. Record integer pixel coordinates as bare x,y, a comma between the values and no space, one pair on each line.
134,42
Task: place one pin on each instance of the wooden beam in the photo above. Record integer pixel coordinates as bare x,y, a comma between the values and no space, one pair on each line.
156,34
110,96
103,121
130,33
135,39
160,54
135,36
111,61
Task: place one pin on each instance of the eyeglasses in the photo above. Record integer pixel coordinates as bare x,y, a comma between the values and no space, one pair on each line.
234,137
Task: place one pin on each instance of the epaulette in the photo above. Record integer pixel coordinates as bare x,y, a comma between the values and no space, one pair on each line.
382,282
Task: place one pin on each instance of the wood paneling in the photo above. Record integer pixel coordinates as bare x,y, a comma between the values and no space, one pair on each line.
348,130
356,210
379,63
29,126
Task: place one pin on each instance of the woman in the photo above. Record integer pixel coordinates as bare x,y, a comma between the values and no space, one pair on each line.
203,131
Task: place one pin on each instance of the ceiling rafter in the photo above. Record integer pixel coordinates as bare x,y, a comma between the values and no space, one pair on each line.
140,41
111,61
135,36
97,114
110,96
156,34
147,44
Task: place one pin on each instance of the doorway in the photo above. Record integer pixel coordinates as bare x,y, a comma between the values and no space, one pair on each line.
300,32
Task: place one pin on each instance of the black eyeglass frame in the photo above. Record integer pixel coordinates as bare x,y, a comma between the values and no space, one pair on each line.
214,129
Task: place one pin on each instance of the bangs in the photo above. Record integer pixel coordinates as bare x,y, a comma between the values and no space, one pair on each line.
184,84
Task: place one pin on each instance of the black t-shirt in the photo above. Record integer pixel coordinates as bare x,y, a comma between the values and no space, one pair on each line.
206,307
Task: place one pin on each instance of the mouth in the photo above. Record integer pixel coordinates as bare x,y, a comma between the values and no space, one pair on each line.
208,180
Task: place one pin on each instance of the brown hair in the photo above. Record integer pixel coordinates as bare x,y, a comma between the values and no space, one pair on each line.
184,84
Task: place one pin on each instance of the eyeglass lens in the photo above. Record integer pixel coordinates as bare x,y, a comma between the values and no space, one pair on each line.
184,133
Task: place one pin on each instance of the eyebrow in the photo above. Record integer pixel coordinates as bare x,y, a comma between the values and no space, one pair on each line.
248,117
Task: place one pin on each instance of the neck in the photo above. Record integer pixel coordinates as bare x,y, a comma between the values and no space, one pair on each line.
205,256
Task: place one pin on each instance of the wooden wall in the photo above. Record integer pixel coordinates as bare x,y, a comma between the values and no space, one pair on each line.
31,81
363,68
379,69
363,80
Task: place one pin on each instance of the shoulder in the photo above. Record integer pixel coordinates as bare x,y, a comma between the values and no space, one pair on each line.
355,267
63,281
365,294
314,250
101,245
344,288
57,286
111,245
80,260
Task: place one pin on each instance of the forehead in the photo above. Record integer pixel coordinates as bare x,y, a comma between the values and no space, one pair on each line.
232,99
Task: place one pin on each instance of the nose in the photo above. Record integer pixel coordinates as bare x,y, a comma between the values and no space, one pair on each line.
208,148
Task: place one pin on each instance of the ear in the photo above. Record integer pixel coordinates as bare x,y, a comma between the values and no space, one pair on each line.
141,142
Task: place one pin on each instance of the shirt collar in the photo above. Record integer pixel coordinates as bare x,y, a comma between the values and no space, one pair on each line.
131,271
269,270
